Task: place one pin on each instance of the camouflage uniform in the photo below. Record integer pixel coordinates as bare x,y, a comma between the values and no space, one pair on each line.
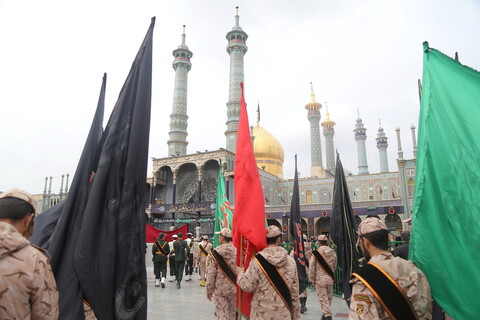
219,285
411,280
322,281
203,258
27,289
267,303
195,255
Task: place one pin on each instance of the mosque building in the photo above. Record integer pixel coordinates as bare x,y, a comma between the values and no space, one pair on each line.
183,185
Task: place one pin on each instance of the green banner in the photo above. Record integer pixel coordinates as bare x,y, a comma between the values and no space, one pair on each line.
223,210
446,214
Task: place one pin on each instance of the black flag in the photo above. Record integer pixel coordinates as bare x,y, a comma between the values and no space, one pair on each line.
343,230
45,225
296,232
110,253
58,227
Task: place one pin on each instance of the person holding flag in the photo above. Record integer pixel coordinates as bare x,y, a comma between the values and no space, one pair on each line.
272,278
223,209
298,242
249,218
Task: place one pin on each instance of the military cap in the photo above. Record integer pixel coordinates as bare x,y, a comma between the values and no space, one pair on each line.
322,237
370,225
227,233
20,194
273,231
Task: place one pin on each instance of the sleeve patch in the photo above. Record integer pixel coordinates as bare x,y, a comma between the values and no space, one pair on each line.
362,298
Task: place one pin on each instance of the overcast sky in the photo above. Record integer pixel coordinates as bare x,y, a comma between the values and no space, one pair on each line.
364,55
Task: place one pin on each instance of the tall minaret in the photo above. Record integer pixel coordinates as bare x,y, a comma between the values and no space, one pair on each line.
382,146
177,144
313,107
360,137
236,48
329,131
414,139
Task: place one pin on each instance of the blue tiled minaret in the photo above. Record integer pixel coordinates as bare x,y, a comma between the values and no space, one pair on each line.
360,137
313,107
328,132
382,146
177,143
236,48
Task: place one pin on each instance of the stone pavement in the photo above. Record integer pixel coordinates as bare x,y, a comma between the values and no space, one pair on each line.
190,302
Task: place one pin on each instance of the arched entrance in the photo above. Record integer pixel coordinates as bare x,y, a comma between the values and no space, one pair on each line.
274,222
322,226
394,223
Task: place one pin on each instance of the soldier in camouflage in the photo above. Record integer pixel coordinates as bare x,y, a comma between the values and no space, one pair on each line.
373,240
319,277
204,249
27,287
267,304
219,286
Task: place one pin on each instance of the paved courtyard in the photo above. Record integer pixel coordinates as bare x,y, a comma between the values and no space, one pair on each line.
190,302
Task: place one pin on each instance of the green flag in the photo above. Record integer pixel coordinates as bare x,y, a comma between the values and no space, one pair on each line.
446,214
223,210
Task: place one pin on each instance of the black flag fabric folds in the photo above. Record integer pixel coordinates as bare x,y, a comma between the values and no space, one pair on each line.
61,244
110,253
296,232
45,225
343,230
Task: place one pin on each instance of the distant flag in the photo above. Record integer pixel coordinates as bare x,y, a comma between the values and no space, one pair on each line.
445,218
110,253
223,209
58,227
343,230
249,229
297,235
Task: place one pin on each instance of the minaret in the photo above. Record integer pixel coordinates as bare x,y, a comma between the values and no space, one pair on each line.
360,137
414,141
329,131
399,144
313,107
236,48
382,146
177,144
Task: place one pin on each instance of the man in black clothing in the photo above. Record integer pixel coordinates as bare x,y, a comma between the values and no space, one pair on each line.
181,252
402,250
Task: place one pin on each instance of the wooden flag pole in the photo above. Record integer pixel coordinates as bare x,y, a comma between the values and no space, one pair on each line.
239,314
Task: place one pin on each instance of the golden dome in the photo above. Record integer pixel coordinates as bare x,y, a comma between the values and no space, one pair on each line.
327,121
268,151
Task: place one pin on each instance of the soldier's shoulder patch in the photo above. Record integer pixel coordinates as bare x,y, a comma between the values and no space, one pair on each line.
362,297
359,309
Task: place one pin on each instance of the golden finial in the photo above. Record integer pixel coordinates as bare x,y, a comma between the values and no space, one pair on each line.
327,116
237,9
312,94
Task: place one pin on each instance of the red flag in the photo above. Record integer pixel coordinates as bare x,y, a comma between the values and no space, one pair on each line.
249,216
151,233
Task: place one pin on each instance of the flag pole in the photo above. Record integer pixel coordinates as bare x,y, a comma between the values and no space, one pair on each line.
239,299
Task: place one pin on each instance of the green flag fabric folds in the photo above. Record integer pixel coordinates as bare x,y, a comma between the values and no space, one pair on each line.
223,210
446,214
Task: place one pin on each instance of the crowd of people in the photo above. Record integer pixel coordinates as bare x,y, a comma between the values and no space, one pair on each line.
28,289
